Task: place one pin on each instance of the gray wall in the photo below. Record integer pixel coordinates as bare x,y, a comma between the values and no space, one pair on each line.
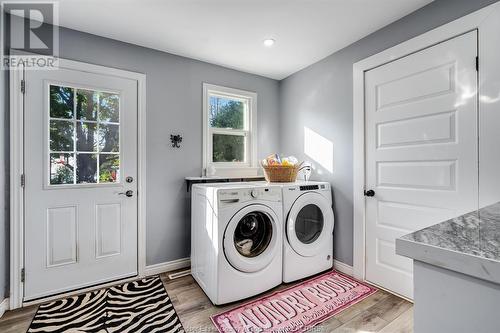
320,97
174,105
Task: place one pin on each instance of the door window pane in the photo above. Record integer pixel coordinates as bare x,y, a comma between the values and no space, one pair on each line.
86,134
61,135
86,104
226,113
84,137
109,138
86,168
228,148
309,224
109,168
109,107
62,167
61,102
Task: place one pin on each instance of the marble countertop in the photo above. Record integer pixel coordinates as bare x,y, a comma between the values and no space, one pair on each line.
469,244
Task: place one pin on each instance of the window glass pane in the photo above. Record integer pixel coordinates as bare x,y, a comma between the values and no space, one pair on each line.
86,104
228,148
109,107
61,169
61,102
86,135
109,138
226,113
86,168
109,168
61,135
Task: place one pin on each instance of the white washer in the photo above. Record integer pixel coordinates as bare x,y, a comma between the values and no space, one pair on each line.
236,239
308,229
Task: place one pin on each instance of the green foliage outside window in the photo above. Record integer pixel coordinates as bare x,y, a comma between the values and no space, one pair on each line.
62,168
228,148
228,114
96,135
63,176
109,168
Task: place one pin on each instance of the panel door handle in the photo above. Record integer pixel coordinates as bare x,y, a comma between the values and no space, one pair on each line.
370,193
128,193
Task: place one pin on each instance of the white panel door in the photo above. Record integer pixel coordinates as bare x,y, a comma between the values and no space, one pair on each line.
421,151
80,146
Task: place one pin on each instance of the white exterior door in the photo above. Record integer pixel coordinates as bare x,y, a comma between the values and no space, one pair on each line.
421,151
80,161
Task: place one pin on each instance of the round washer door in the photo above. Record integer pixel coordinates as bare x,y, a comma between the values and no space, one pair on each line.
309,224
250,240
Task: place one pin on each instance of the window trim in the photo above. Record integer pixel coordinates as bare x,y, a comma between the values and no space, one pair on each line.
249,167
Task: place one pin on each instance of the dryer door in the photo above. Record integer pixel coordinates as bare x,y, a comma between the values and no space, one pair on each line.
309,224
251,238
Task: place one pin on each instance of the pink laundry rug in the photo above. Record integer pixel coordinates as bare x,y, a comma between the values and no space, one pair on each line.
295,309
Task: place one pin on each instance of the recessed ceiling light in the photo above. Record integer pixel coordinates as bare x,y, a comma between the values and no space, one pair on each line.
269,42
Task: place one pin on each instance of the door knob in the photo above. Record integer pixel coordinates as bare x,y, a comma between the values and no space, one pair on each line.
370,193
128,193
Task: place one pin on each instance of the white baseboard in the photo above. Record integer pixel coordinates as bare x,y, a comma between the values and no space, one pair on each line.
167,266
343,268
4,306
185,262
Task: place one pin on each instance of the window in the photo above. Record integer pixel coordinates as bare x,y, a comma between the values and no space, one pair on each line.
84,136
229,130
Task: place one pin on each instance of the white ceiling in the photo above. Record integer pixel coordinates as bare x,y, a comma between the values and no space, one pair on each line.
230,32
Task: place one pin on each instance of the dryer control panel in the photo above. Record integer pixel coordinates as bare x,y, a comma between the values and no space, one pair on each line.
309,187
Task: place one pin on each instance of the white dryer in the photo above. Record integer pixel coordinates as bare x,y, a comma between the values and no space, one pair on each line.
308,229
236,239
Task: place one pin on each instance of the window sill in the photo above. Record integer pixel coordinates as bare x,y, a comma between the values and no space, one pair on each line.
233,172
219,179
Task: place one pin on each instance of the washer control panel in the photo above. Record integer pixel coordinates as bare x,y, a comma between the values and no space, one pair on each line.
249,194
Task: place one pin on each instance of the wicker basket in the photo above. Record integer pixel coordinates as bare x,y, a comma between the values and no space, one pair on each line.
281,173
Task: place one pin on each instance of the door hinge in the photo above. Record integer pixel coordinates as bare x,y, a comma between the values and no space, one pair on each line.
23,180
477,64
23,86
23,275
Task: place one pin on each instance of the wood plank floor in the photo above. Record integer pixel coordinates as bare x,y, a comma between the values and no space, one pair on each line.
381,312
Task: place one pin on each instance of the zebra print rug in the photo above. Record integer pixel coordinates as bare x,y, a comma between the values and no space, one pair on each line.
138,306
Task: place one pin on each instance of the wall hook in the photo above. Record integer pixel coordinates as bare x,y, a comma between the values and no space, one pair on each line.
176,140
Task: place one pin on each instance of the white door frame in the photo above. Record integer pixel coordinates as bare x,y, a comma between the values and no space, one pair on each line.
17,169
473,21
